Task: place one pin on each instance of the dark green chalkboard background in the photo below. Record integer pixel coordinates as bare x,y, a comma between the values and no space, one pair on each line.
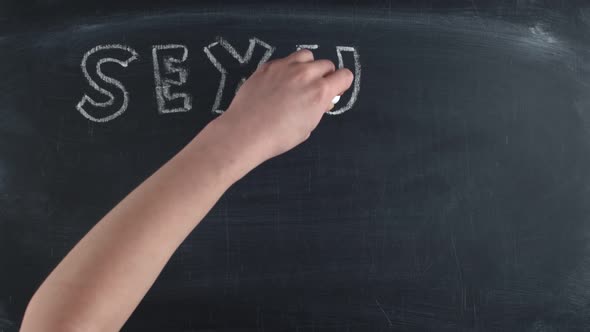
453,196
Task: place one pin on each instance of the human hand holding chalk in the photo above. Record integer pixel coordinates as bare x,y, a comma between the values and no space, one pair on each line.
272,112
333,103
292,94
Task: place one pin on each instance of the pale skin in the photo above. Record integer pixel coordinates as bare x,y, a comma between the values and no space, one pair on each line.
98,285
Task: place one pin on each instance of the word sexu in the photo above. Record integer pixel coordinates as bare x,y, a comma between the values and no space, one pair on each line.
170,72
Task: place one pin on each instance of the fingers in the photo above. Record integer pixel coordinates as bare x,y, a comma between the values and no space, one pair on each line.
318,67
303,55
314,70
338,81
323,67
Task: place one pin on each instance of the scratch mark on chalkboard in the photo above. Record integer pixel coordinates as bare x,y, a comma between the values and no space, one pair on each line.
389,8
467,151
481,20
227,253
84,28
539,31
6,324
454,247
384,313
475,7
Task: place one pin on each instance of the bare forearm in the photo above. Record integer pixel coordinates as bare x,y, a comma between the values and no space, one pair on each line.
101,281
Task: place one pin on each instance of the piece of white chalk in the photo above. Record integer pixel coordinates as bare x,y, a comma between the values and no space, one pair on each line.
336,99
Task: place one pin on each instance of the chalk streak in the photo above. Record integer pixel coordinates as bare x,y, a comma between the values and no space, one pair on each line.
384,313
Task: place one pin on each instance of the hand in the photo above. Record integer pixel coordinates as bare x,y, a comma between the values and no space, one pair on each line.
277,108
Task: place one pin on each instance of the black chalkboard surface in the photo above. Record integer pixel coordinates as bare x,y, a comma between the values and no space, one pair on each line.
450,192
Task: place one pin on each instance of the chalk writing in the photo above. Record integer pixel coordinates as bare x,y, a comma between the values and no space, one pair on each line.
163,85
307,46
128,55
170,65
356,84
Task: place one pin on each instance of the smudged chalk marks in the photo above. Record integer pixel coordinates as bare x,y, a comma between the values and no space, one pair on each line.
163,83
245,59
5,324
126,55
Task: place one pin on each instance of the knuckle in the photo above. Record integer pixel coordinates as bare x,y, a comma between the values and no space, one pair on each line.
348,74
306,52
264,67
269,65
303,72
308,71
331,65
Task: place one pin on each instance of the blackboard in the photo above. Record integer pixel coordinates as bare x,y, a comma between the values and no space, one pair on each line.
453,194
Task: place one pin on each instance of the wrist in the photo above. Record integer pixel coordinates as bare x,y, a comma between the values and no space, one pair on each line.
226,150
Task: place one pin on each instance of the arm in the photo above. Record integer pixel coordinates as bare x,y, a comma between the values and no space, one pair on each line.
104,277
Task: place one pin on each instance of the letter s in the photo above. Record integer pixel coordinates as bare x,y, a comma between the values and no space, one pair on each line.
104,111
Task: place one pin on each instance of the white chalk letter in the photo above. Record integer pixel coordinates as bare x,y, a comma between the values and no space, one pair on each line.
163,84
104,111
307,47
245,59
356,84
